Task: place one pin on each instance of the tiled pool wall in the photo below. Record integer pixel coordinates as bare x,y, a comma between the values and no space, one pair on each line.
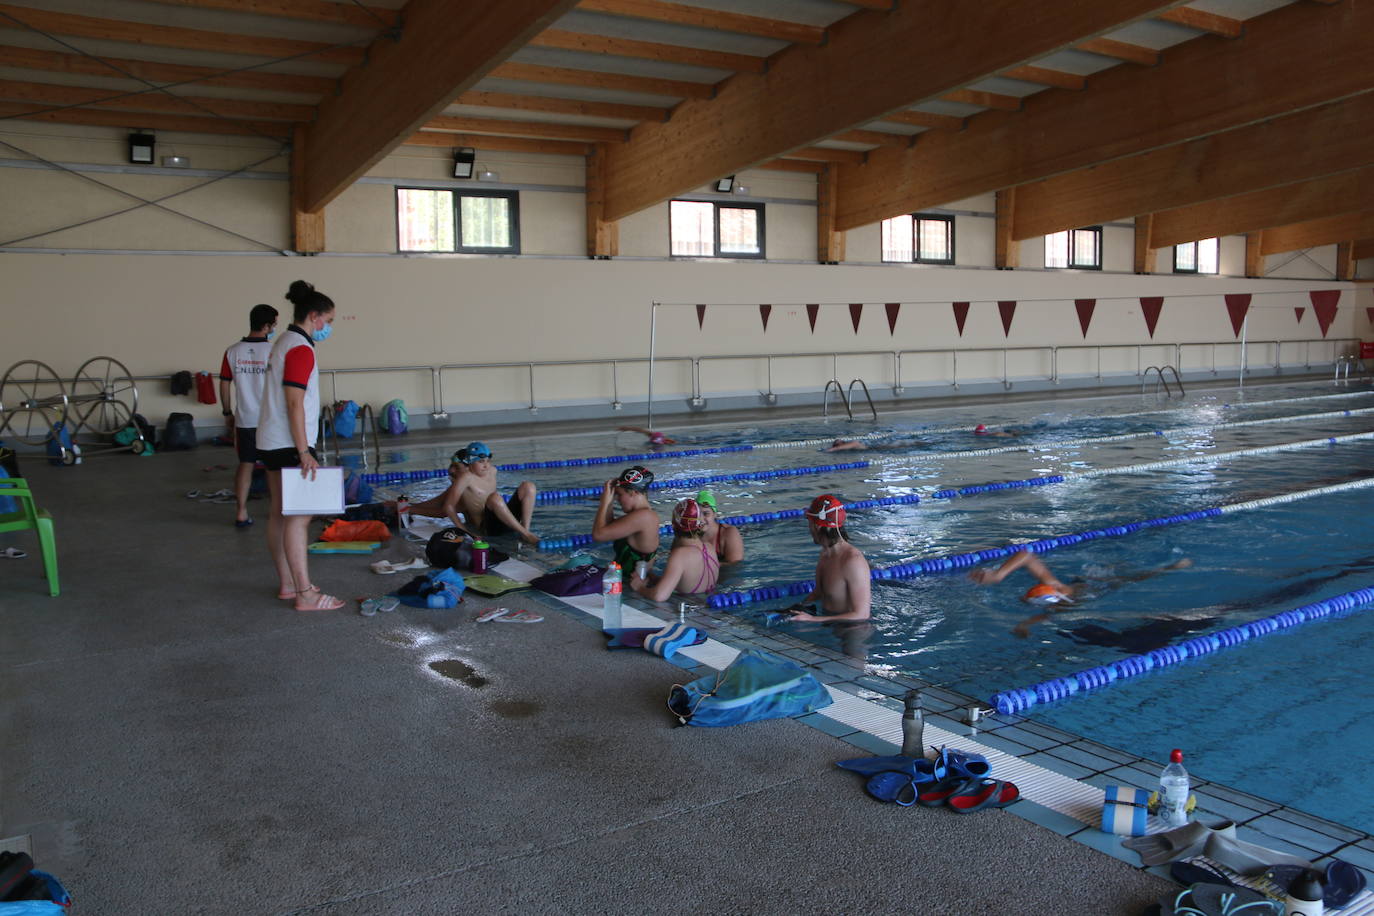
1092,765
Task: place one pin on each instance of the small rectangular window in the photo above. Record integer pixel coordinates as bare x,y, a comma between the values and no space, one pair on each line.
922,238
1200,257
1077,248
704,229
478,222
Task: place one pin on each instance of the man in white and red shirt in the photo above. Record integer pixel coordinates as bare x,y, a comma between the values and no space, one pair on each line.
241,377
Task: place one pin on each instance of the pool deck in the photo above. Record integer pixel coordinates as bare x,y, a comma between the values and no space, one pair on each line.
173,733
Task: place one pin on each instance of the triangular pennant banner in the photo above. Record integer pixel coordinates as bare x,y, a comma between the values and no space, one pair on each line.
1085,313
764,312
1237,306
701,316
1300,311
1008,310
892,309
856,310
1150,307
1324,304
961,315
811,312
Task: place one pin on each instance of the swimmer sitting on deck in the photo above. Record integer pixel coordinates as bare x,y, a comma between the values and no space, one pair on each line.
473,490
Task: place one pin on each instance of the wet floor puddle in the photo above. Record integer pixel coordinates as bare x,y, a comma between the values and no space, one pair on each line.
461,672
516,709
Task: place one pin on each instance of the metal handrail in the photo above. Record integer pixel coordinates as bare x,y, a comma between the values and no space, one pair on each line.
867,397
1161,380
825,399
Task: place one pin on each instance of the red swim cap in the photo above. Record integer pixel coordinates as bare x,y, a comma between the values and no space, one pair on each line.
980,430
826,511
1045,594
687,516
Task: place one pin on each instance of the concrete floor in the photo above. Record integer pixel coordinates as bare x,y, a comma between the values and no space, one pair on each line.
175,739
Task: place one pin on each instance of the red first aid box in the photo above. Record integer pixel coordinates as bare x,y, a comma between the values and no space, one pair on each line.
1366,349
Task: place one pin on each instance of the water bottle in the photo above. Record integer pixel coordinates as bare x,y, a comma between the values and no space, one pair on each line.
1173,791
610,598
913,725
479,556
642,569
1305,896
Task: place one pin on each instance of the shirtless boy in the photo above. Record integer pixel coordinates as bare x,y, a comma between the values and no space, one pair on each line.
843,588
473,492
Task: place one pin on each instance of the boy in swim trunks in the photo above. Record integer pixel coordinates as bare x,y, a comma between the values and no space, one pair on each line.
473,491
1050,592
636,532
843,589
692,567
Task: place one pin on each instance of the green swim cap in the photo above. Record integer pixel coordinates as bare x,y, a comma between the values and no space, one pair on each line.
706,498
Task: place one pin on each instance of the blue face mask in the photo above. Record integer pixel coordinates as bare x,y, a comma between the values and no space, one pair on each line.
322,334
270,333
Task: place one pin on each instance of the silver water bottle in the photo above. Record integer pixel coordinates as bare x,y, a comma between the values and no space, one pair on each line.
913,725
1305,896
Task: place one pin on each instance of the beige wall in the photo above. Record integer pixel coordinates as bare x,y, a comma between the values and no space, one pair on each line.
163,312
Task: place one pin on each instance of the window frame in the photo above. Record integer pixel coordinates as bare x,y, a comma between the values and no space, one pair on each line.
457,209
1097,249
717,205
1197,261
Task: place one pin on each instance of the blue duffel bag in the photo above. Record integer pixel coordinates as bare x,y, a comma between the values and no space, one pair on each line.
756,685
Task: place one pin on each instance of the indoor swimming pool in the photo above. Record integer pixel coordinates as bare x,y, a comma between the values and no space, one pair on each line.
1277,716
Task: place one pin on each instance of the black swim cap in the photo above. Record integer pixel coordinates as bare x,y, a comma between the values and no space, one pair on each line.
636,478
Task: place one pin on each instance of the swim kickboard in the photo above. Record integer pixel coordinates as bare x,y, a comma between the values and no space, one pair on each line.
492,584
344,546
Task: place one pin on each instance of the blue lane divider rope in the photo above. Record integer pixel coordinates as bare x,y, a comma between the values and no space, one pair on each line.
1023,698
951,562
679,483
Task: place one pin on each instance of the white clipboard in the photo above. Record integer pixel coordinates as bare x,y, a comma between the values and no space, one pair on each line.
302,496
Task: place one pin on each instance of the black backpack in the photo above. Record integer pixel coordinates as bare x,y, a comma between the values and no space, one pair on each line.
180,433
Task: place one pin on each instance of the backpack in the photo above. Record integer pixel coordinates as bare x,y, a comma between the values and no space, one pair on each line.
395,420
180,433
181,382
756,685
450,549
581,580
346,421
356,490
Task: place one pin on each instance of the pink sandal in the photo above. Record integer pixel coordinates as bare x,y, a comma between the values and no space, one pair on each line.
321,602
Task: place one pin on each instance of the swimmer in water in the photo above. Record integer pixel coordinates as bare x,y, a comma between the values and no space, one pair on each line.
1050,592
858,445
655,437
981,430
843,589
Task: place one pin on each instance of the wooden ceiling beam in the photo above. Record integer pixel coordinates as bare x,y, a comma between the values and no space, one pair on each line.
1224,26
821,154
647,50
1128,111
1331,195
881,5
61,62
499,144
1253,158
874,138
442,52
565,76
925,119
1120,50
370,17
535,129
1363,248
1329,231
983,99
873,64
562,106
792,165
1047,77
277,130
658,11
52,94
166,36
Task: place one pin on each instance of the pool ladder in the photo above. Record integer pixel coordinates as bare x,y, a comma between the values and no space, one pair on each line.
367,422
1161,380
1343,366
847,397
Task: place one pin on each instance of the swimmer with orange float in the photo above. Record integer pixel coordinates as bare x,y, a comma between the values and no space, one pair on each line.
1050,592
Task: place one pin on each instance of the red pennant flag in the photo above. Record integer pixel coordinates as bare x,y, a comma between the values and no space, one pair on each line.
1324,307
1299,311
1150,307
811,312
892,309
856,309
1085,313
961,315
764,312
1237,306
701,316
1008,309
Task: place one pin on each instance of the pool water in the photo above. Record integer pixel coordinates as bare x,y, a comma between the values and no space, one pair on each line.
1245,715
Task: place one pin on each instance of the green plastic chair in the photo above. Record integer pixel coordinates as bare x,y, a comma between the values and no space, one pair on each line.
30,517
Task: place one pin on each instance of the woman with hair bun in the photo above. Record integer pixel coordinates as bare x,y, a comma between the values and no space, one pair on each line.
287,429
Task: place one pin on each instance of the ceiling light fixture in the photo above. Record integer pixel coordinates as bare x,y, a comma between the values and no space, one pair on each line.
463,159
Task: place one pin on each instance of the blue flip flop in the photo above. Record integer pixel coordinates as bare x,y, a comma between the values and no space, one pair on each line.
915,768
963,763
893,787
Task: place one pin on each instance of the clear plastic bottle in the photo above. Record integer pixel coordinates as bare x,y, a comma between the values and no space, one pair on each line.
1173,791
611,584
